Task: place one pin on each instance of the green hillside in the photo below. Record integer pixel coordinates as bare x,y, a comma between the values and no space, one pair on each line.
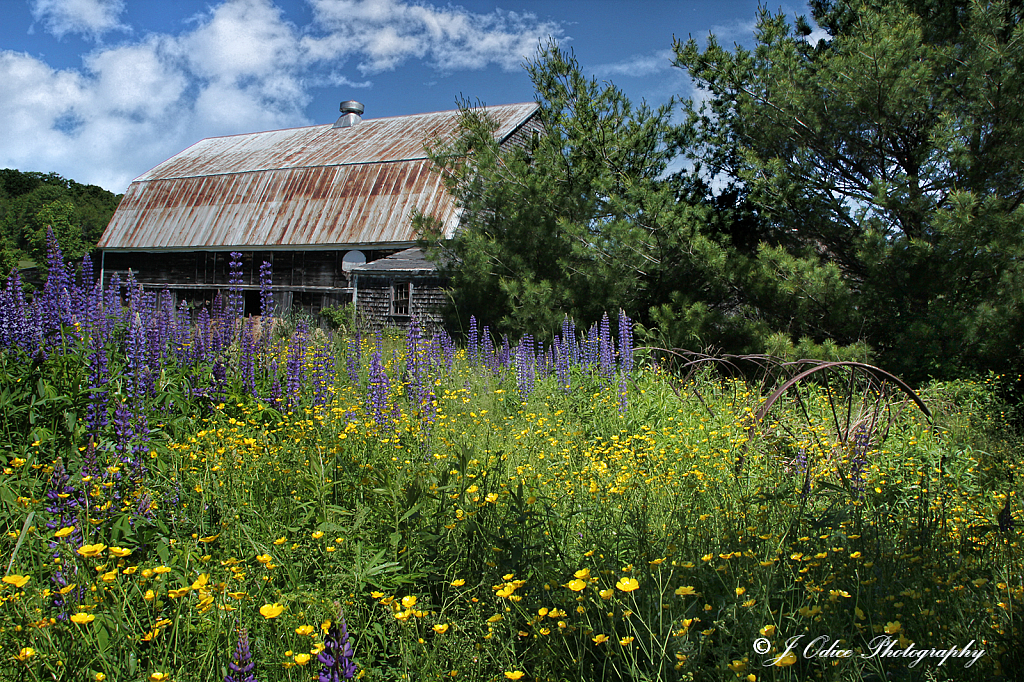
29,202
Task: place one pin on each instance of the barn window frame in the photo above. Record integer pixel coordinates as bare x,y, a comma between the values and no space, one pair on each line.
401,299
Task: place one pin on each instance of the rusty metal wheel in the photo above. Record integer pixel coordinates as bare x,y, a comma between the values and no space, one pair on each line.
828,416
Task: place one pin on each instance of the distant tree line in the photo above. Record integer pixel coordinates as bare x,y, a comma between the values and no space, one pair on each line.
859,197
31,202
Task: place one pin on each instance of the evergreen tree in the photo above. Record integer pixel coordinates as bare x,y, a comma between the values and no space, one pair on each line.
579,221
884,167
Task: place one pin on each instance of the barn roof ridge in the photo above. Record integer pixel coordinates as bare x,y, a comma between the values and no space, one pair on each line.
306,187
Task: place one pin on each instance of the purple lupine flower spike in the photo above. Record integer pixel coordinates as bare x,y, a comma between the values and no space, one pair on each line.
236,301
474,342
242,666
336,659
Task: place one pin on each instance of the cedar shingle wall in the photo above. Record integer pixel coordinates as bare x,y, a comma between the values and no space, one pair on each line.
523,137
428,298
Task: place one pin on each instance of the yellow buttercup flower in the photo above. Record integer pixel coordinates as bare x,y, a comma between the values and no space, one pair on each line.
82,618
89,551
685,591
891,628
409,601
767,631
627,584
458,582
576,585
441,628
514,675
280,541
119,552
25,653
626,641
788,659
600,639
318,534
305,630
269,611
301,659
582,574
178,593
18,581
158,677
607,594
162,569
64,532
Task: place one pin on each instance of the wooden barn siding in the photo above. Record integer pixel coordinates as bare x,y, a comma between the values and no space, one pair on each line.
292,269
523,137
299,277
428,299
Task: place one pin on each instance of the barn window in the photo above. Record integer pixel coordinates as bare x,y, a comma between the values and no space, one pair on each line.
401,293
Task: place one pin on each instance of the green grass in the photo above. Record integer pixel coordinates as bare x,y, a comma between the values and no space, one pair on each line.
557,537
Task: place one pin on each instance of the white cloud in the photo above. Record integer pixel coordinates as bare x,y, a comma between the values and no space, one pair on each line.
240,66
817,35
386,33
637,65
91,18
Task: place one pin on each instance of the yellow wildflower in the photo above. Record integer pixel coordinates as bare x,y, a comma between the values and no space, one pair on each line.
90,551
627,584
18,581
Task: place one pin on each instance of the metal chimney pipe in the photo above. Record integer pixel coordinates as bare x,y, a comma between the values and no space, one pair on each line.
350,114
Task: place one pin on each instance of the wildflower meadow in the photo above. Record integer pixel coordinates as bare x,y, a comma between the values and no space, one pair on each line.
196,495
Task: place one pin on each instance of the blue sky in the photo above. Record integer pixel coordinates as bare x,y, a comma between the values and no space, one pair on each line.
102,90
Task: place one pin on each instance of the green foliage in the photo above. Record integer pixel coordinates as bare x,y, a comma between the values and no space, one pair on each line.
863,195
30,202
556,536
341,318
882,166
576,222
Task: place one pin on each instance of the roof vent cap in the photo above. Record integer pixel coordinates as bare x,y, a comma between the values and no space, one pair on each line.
350,114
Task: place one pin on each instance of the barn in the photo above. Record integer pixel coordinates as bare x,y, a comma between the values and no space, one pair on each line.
329,206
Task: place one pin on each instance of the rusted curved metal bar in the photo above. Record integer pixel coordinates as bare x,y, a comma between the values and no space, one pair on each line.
876,372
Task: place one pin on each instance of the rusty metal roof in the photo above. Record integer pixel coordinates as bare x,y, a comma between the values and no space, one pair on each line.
314,187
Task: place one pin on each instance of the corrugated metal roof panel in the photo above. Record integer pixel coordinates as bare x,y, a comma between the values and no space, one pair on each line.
280,208
372,141
304,187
